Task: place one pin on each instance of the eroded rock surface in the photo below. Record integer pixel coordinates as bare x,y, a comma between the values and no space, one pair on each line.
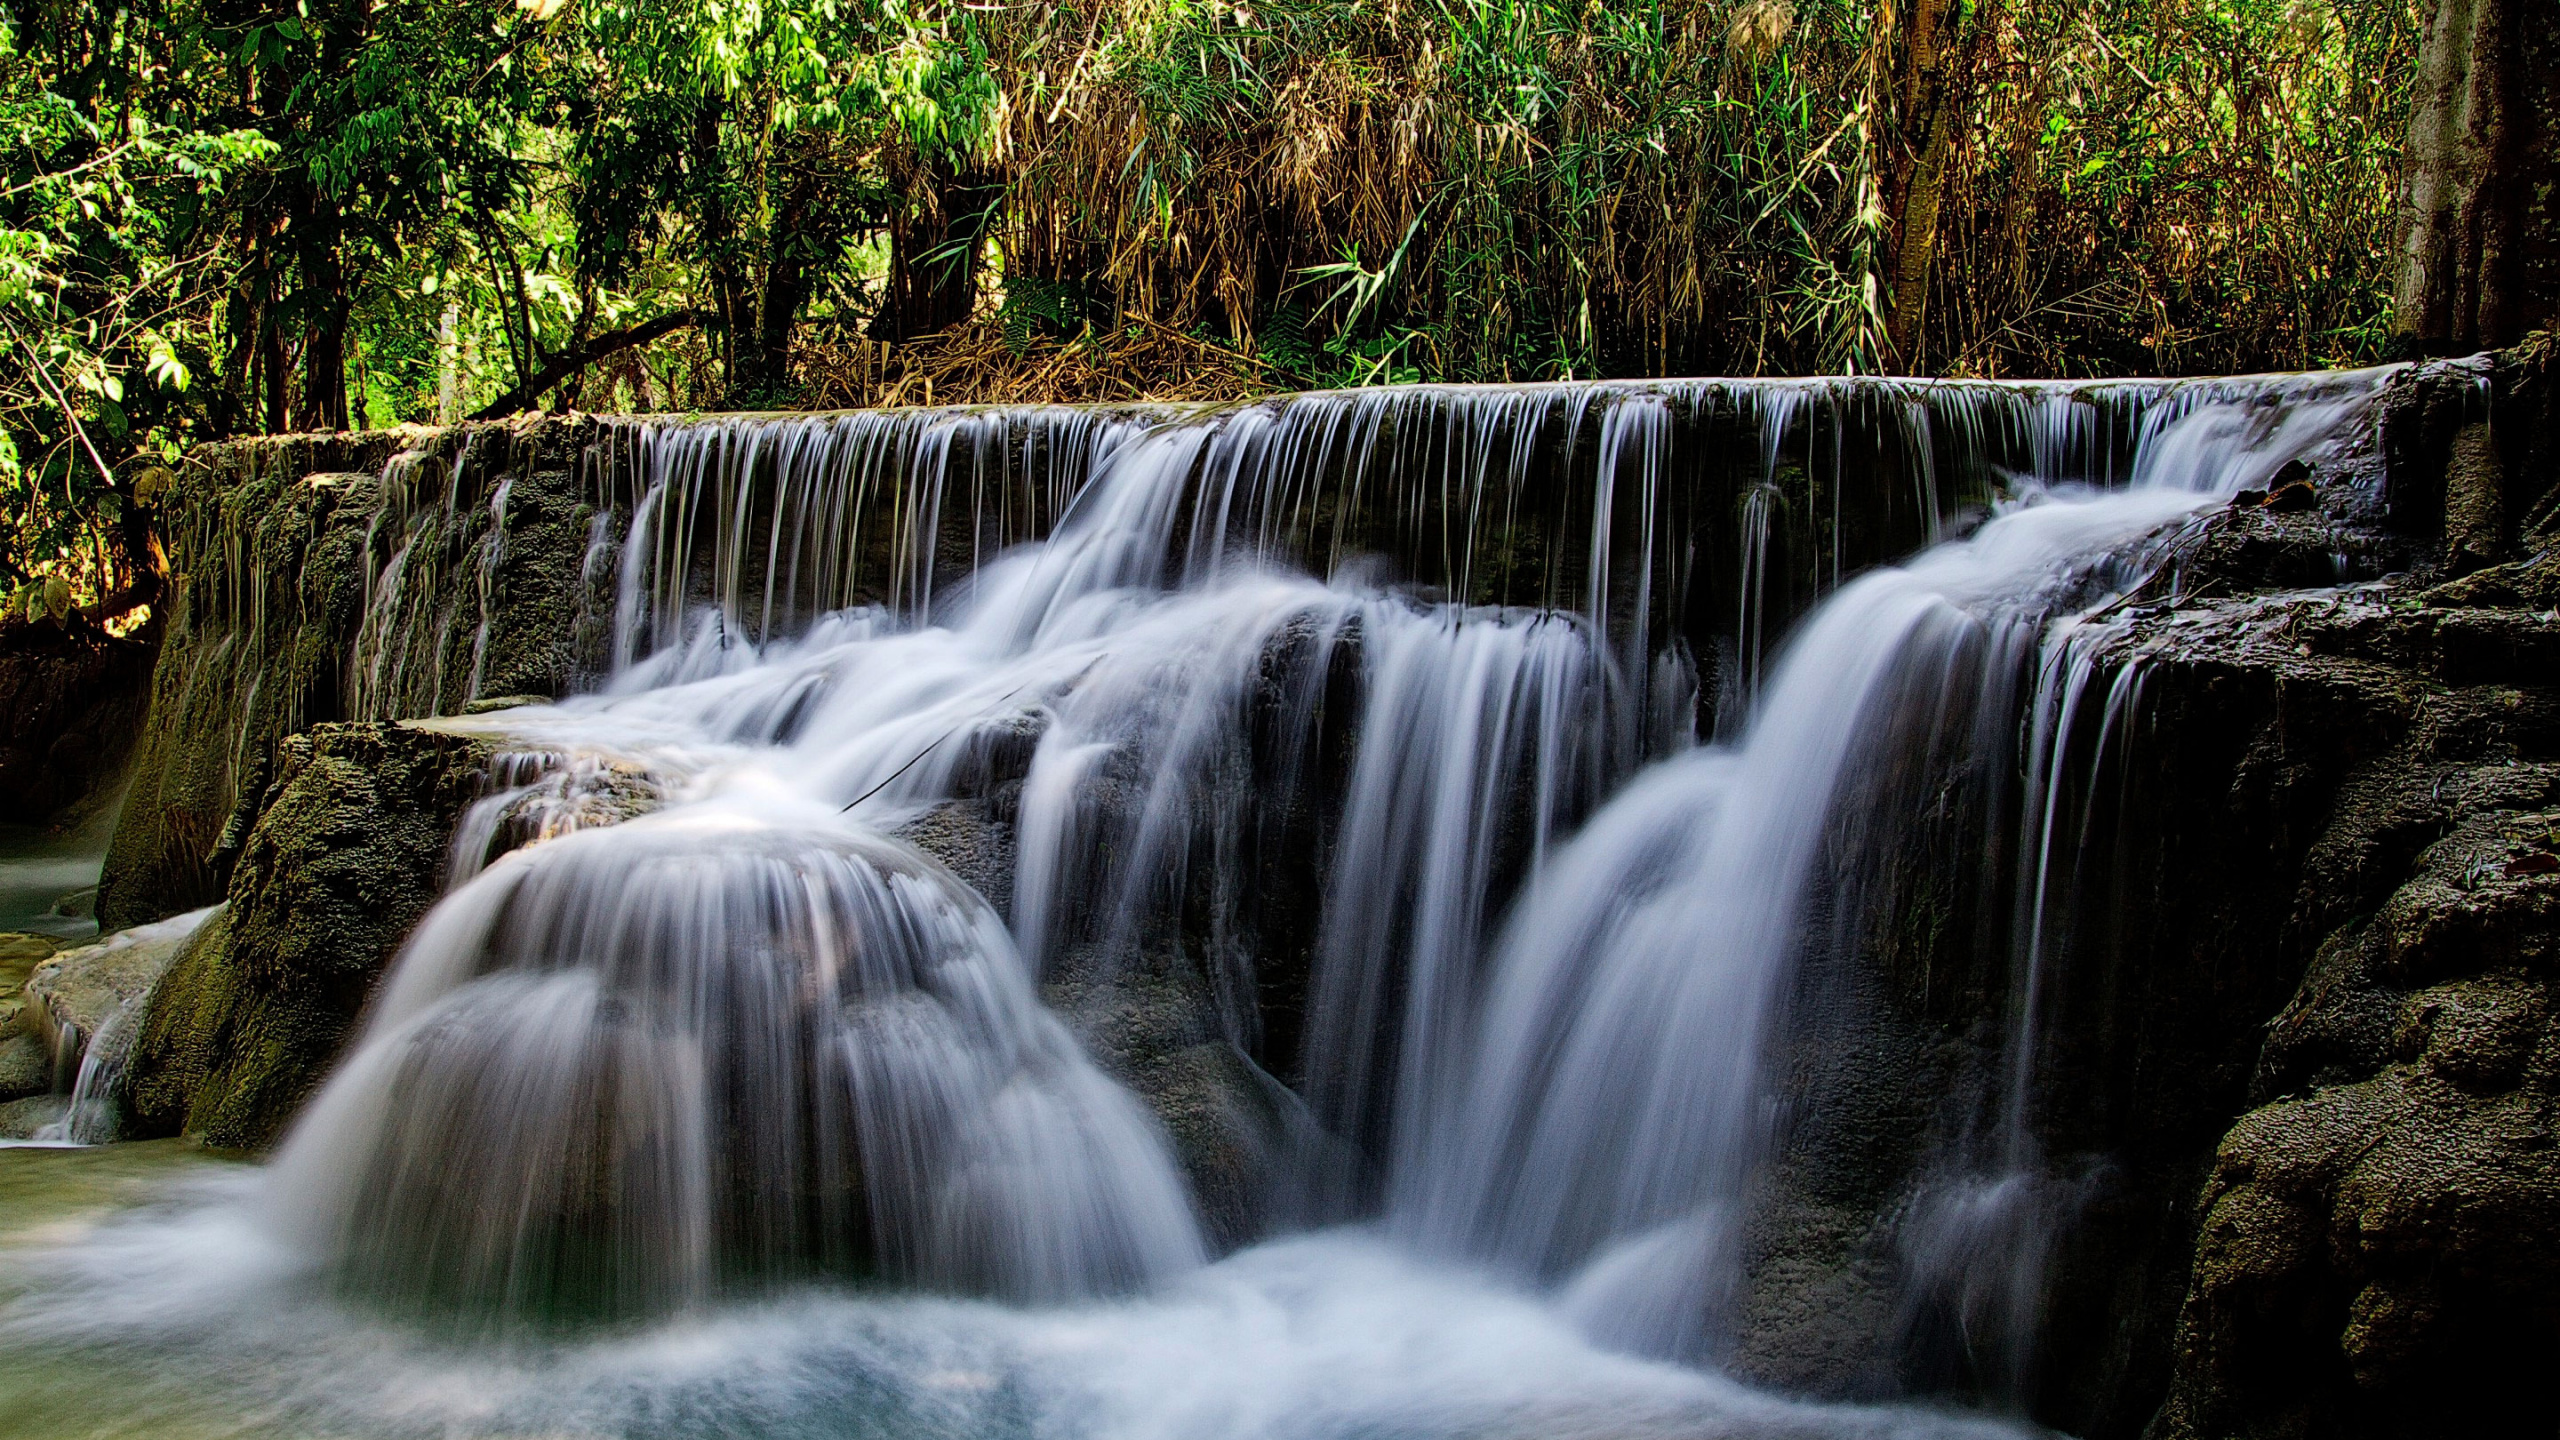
472,555
26,1066
335,862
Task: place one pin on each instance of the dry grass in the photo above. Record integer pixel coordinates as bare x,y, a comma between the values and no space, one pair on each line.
1575,188
976,364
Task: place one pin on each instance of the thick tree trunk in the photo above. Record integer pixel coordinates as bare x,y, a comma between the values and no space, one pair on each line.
275,385
2479,228
324,352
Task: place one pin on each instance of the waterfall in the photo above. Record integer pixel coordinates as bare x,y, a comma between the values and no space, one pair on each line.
1502,763
1607,1130
622,1069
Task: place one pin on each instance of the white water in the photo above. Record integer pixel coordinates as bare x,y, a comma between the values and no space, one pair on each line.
682,1066
1607,1131
194,1321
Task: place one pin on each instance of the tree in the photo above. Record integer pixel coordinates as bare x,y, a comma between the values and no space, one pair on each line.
2479,233
99,286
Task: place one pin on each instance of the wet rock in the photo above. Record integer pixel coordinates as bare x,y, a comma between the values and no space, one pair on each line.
972,843
20,953
2297,1067
70,996
277,544
543,796
1152,1024
21,1119
2288,499
26,1067
347,850
2475,512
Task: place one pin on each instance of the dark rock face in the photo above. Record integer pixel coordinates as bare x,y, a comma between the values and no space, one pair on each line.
2376,1248
1151,1020
336,859
2374,1243
71,703
2380,1248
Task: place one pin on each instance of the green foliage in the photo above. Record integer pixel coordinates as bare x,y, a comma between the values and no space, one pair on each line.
91,220
227,216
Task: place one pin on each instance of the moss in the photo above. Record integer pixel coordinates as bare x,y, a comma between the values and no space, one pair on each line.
346,853
278,545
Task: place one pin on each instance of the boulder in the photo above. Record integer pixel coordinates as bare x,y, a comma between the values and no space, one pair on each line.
22,1119
336,861
70,997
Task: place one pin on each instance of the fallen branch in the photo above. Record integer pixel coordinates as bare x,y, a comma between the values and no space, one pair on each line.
564,367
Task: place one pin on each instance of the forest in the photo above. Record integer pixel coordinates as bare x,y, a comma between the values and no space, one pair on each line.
1279,719
232,217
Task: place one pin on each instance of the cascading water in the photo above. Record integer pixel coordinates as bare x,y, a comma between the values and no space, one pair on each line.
1297,696
1614,1115
621,1068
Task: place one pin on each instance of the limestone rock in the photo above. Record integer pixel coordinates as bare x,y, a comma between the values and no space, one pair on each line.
347,850
1150,1021
71,996
2382,1257
21,1119
278,543
26,1068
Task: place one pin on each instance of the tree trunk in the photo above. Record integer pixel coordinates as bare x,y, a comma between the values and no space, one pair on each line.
1942,70
325,307
733,292
934,243
274,383
2479,226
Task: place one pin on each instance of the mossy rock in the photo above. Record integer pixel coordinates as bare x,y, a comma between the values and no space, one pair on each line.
70,996
347,851
280,546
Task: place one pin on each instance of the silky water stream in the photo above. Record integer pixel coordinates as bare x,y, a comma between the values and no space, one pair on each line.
745,1118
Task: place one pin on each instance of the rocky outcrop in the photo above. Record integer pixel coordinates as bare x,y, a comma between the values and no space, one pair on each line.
2374,1242
2377,1241
26,1065
330,866
470,556
2349,698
